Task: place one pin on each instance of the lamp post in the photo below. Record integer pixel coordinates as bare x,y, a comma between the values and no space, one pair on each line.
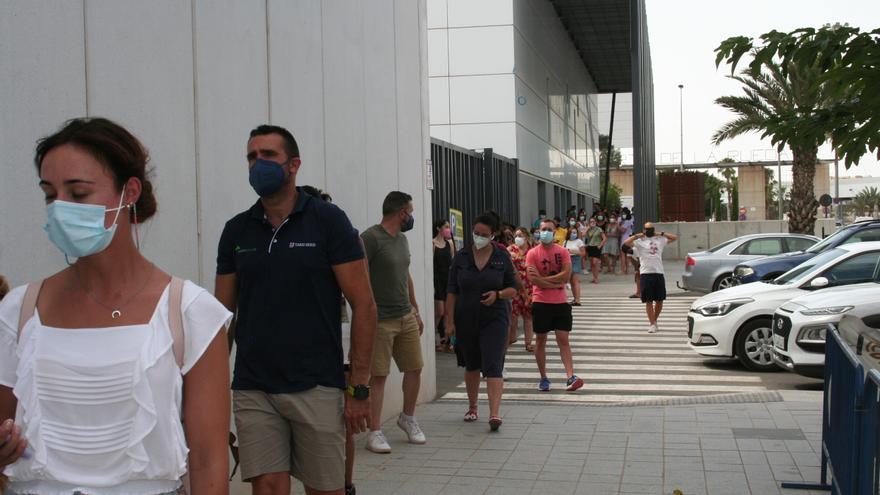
681,123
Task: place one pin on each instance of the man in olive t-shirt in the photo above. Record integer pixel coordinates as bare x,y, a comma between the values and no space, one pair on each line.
399,330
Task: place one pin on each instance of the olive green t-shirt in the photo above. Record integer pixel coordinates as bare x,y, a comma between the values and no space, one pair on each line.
388,257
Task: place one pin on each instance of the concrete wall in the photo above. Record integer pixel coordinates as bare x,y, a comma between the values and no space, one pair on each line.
751,183
190,79
623,179
699,236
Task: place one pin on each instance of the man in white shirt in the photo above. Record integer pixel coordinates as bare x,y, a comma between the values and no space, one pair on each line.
649,249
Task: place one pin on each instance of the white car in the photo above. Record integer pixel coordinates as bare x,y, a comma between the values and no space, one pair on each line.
738,321
799,325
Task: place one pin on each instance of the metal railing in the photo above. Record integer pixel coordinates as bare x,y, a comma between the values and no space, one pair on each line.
850,418
473,182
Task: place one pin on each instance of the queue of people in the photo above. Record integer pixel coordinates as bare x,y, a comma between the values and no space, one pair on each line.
147,352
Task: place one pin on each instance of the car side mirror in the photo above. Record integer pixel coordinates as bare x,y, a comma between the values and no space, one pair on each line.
818,283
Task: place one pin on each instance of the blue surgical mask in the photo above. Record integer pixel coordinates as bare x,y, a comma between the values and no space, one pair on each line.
408,223
266,177
546,236
78,229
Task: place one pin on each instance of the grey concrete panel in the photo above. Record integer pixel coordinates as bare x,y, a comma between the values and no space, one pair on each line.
231,99
140,74
43,86
296,83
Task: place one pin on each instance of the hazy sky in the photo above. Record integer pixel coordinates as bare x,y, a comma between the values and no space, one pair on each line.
683,36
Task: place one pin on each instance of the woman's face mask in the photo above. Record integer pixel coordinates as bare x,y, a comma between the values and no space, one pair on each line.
519,240
78,229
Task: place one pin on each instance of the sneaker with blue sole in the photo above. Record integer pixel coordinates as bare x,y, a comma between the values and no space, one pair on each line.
544,386
573,383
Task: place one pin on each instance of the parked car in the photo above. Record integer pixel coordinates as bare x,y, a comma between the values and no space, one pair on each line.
711,270
772,266
799,325
738,321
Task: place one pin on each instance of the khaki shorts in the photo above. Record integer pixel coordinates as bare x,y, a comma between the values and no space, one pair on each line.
398,338
300,433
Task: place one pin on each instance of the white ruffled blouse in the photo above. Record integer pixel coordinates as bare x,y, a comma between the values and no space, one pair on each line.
101,407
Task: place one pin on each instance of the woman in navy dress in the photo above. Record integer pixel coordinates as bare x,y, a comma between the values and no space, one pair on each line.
481,282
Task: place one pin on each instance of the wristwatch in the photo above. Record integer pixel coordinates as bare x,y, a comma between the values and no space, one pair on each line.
359,392
498,294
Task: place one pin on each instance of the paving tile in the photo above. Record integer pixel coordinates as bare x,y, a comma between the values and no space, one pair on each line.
416,488
721,483
554,488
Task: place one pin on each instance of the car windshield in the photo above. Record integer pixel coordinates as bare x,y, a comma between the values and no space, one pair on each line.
720,246
795,274
824,243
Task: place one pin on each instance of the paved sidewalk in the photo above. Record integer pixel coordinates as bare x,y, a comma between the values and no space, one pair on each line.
726,448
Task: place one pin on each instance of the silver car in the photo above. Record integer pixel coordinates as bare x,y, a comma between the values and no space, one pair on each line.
711,270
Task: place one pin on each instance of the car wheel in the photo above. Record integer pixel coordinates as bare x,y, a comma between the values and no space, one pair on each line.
723,282
754,345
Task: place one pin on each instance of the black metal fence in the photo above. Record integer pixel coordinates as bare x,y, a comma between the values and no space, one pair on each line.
473,182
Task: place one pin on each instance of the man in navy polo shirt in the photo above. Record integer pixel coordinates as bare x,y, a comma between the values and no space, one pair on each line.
283,266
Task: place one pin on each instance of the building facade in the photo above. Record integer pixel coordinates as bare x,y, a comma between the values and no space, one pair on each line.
505,74
190,79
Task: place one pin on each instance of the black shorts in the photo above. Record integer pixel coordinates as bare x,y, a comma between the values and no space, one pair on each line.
548,317
626,249
653,287
483,348
594,252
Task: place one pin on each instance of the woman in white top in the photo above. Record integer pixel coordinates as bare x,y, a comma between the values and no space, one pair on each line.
577,251
97,394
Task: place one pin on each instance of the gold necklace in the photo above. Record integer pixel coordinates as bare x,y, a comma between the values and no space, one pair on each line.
115,312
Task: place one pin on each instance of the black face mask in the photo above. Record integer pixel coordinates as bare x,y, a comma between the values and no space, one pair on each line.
649,232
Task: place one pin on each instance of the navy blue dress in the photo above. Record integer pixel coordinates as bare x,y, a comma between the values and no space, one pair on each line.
481,331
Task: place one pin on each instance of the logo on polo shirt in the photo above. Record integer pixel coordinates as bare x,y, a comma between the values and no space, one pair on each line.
302,244
240,250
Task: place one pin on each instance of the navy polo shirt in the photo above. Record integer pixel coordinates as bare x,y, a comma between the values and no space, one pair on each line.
288,327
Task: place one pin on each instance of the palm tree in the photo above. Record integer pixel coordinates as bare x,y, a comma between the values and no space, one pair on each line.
731,183
866,200
773,103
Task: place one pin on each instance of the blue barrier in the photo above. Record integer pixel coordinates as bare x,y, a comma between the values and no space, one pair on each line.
842,420
869,481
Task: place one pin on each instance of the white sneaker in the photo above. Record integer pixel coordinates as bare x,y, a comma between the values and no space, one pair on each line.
411,427
652,329
377,443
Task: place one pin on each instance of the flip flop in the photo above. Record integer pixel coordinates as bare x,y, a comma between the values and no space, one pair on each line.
471,415
494,423
530,347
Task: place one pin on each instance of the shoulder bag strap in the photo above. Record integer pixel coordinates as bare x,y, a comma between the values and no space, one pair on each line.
175,318
28,305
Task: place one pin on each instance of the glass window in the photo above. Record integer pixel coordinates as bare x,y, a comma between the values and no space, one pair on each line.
824,243
798,243
722,245
761,247
866,235
796,273
858,269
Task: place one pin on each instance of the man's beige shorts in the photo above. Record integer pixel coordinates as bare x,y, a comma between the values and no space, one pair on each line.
300,433
398,338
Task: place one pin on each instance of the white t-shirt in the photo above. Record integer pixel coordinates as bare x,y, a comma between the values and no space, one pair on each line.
101,407
574,246
650,253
